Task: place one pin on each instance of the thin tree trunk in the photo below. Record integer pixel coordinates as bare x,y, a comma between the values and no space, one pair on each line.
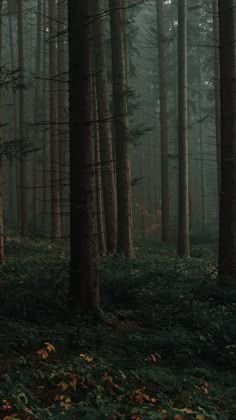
203,180
45,102
202,153
11,186
15,167
99,198
183,217
162,47
21,115
99,185
54,155
1,158
105,131
36,119
84,283
142,193
227,237
121,124
217,90
62,128
125,21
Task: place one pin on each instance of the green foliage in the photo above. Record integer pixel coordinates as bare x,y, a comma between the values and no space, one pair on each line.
166,350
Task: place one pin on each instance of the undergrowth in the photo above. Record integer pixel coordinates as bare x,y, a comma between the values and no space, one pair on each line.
167,350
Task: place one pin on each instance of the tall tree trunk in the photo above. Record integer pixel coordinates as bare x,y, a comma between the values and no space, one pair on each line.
105,132
54,155
142,192
165,210
203,194
217,89
183,217
62,127
203,178
99,186
84,284
45,102
121,124
1,166
15,167
21,114
202,155
227,238
125,21
36,118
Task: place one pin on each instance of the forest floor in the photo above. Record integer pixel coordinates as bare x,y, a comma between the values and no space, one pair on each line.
167,350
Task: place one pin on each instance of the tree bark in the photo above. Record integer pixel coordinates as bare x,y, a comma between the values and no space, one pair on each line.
125,21
21,115
121,124
105,131
54,155
45,102
62,126
165,208
1,158
203,194
217,90
84,283
36,118
227,236
183,217
15,167
99,186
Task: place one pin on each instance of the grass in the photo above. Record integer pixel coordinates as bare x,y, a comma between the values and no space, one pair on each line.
167,350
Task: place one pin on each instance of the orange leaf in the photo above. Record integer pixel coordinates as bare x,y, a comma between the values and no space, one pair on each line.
49,347
43,353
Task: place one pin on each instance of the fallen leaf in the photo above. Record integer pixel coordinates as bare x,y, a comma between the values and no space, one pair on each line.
50,347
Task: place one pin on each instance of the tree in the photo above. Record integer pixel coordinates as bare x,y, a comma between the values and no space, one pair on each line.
162,61
203,189
217,88
227,235
105,132
21,115
45,102
54,155
15,116
84,283
61,103
183,217
1,166
125,21
101,237
121,125
36,113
